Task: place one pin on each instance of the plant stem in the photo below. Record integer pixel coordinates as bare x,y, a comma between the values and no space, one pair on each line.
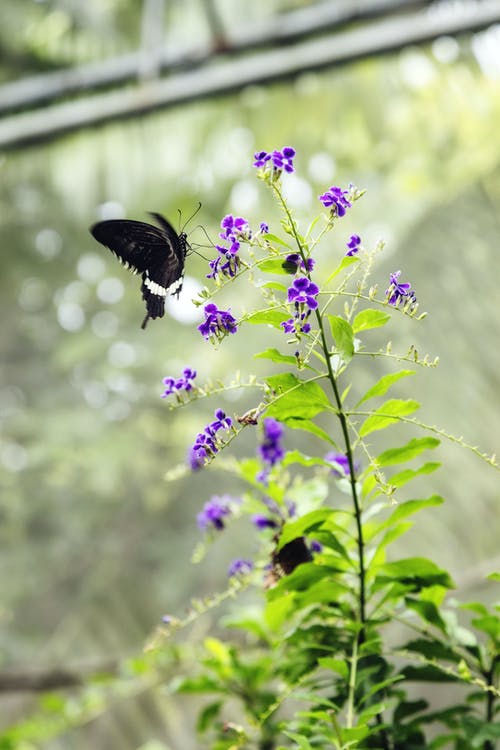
345,432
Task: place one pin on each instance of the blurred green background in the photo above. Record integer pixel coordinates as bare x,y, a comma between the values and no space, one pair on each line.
94,545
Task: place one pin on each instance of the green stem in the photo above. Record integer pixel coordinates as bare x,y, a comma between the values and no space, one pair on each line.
345,432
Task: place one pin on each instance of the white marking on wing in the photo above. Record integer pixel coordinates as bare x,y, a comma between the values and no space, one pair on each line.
155,288
176,286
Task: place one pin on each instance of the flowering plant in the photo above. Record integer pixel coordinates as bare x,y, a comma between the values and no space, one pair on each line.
326,521
321,663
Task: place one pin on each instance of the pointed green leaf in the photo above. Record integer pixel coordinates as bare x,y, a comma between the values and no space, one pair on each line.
274,265
343,336
272,317
308,522
403,477
275,356
274,285
416,572
309,426
387,414
369,319
427,611
383,385
403,511
347,260
273,238
295,399
407,452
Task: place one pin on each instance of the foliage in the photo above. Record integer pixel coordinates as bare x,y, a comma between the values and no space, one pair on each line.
316,665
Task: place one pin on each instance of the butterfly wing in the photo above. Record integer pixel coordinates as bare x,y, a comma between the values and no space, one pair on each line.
158,253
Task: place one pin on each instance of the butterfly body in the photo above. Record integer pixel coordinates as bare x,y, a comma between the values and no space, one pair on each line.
156,252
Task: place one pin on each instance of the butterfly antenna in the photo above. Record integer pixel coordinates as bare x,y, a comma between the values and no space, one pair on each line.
190,218
196,252
210,240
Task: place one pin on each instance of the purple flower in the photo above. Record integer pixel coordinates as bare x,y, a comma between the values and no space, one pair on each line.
270,449
303,292
263,522
353,244
278,160
196,458
213,514
240,567
261,158
181,384
166,619
340,463
217,322
264,228
315,546
400,292
293,262
234,226
207,443
295,324
335,198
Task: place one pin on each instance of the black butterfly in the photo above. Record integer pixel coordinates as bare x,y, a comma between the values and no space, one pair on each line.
158,253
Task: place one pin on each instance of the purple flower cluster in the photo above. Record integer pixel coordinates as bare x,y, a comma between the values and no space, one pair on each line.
340,464
294,263
206,444
303,292
217,322
400,293
271,450
173,385
234,229
240,567
277,160
353,244
336,199
213,514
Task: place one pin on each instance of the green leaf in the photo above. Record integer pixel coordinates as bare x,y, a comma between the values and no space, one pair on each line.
207,716
273,238
272,317
427,611
275,356
347,260
274,285
416,572
432,650
387,414
273,265
301,526
393,533
403,477
489,625
383,385
370,319
427,674
407,452
297,457
343,336
296,399
403,511
308,426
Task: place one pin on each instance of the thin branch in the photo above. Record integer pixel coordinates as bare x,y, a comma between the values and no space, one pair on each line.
274,65
283,29
18,681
